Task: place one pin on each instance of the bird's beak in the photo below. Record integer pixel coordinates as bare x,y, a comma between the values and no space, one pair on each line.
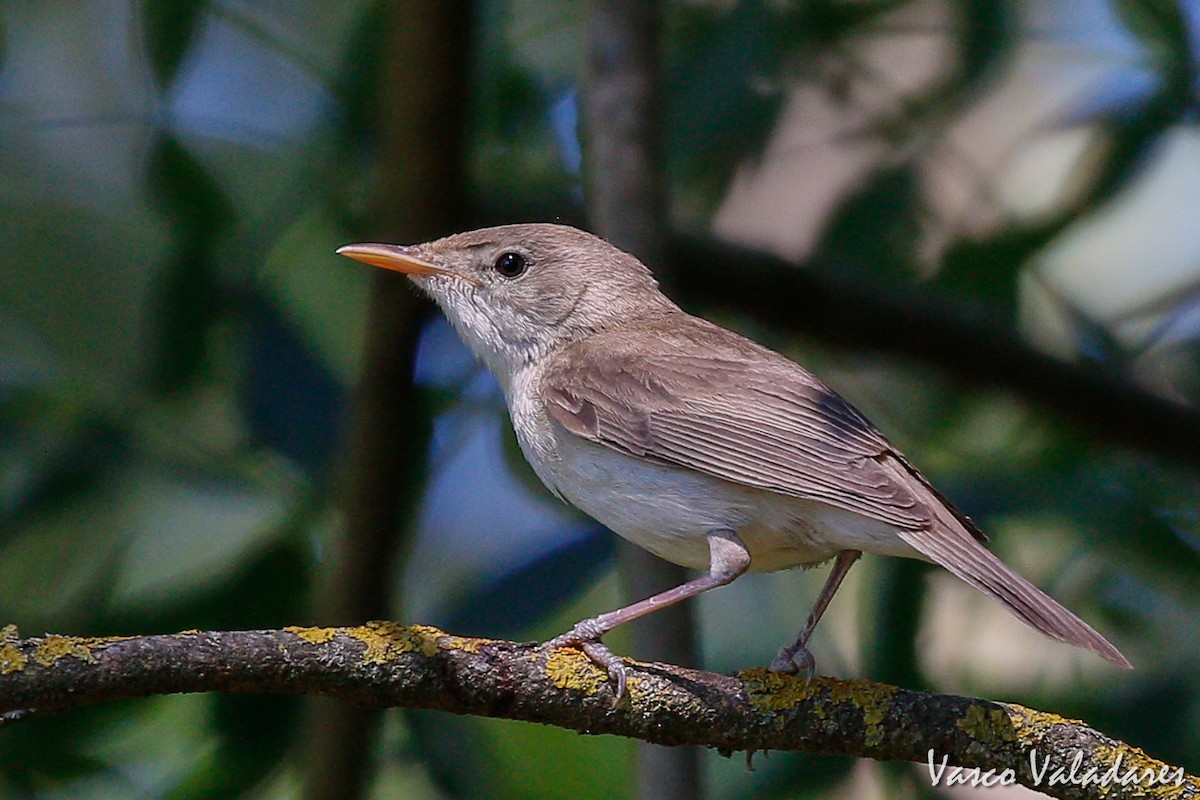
393,257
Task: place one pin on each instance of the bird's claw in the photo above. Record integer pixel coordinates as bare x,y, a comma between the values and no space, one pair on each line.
588,641
794,660
613,664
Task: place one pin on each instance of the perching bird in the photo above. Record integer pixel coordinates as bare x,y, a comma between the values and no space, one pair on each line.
699,445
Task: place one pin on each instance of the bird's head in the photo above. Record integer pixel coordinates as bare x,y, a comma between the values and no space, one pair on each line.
516,292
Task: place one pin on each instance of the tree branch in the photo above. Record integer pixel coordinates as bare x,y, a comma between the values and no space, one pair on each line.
385,664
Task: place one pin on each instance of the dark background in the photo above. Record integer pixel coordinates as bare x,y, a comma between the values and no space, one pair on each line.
986,224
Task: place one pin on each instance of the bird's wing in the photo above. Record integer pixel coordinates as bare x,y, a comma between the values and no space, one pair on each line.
747,415
762,422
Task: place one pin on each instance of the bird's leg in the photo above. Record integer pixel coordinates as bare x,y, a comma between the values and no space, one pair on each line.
728,558
796,657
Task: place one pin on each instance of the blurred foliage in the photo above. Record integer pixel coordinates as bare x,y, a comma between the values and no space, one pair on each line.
177,345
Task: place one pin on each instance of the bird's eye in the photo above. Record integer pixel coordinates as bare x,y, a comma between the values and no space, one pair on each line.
511,265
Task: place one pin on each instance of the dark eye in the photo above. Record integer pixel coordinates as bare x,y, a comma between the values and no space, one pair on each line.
511,265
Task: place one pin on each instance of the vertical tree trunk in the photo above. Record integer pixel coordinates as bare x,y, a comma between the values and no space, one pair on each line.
626,205
422,112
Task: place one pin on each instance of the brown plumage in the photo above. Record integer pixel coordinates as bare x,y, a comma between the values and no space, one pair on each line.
688,439
745,414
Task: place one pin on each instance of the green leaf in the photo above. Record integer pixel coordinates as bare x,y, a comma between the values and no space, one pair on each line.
323,294
1163,29
886,206
187,532
722,91
169,26
190,296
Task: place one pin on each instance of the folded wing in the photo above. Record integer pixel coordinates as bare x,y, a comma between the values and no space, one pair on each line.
745,414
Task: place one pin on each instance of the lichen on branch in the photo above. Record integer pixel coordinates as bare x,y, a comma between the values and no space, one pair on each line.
386,664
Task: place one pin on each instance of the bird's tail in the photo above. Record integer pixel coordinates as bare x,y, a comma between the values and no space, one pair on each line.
953,547
980,568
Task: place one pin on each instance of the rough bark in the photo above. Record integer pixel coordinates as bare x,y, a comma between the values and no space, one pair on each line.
386,664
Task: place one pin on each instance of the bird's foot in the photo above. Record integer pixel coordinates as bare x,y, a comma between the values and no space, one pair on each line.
586,637
795,659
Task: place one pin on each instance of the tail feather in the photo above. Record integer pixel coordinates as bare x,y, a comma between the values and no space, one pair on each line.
1028,603
950,545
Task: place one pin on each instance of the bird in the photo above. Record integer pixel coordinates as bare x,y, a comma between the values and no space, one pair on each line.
706,448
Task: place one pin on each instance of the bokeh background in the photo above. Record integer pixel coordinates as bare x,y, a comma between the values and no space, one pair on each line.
986,222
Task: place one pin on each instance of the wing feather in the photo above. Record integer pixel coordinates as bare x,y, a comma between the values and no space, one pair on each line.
781,431
747,415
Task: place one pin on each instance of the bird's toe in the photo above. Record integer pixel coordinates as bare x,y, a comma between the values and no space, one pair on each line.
794,661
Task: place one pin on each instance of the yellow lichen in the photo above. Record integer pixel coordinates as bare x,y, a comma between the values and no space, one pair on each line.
643,694
568,668
52,648
772,691
387,640
1127,765
313,635
1115,766
1029,724
873,698
97,641
775,691
11,658
991,727
464,643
